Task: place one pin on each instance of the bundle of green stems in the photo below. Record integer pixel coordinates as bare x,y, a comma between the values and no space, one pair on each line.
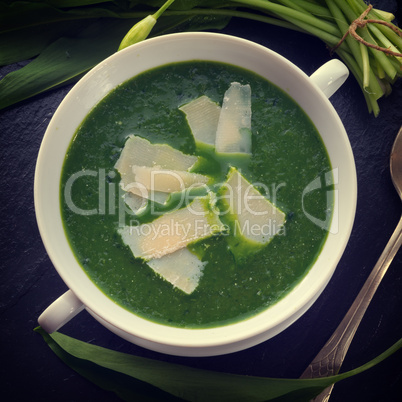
372,50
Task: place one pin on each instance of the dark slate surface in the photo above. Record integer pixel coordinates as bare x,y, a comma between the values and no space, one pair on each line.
29,283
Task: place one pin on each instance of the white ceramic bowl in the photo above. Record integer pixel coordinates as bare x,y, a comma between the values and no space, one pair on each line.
311,93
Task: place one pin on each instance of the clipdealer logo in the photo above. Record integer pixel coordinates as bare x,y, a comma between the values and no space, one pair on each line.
107,190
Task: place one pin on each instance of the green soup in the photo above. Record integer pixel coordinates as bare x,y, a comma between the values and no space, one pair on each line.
287,155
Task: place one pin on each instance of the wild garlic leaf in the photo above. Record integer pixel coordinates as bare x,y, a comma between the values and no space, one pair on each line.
126,387
78,3
184,382
182,4
15,16
63,60
28,42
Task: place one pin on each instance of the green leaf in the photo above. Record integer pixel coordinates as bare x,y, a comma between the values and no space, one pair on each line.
126,387
19,15
186,4
110,370
63,60
26,43
177,5
204,22
73,3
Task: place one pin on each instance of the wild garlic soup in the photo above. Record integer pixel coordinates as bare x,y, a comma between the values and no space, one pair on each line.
196,194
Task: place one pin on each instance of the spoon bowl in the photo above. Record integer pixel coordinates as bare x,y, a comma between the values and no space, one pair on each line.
396,163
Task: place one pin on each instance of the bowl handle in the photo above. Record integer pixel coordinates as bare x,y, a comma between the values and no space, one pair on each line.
330,76
60,312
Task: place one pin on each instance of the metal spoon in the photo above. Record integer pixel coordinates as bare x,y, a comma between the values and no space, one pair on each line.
330,358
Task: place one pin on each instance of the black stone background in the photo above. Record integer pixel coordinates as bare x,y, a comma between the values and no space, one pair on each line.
28,283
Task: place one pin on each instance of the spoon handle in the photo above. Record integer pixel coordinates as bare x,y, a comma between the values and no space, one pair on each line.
329,360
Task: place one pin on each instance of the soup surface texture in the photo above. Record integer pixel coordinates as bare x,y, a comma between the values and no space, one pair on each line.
287,155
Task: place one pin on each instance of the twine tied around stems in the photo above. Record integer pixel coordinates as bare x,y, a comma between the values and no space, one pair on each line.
361,22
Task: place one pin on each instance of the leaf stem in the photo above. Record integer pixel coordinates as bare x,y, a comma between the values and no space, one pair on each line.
371,99
162,9
314,8
239,14
383,39
326,37
293,5
366,66
287,13
380,56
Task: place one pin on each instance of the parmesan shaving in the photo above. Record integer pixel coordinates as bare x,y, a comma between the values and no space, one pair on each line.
167,181
257,220
234,127
181,268
140,152
202,116
137,195
136,203
173,230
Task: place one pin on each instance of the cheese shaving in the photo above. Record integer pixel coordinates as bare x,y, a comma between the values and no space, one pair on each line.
202,115
173,230
182,269
233,133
